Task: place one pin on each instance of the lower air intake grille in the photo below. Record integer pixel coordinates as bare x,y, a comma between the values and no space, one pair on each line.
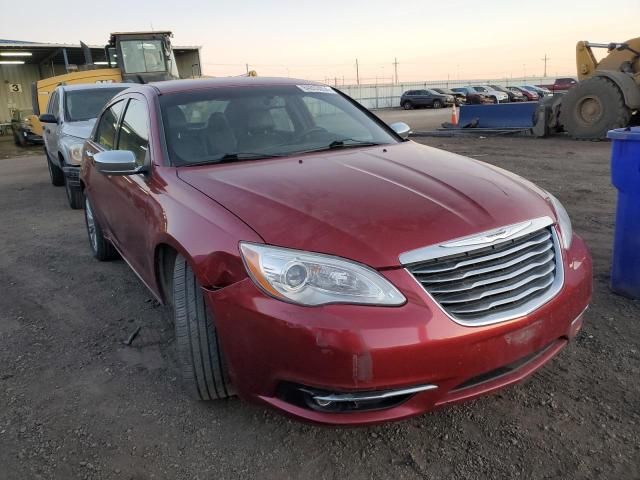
498,282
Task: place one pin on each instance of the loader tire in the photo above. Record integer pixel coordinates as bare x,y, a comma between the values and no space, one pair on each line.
203,368
592,108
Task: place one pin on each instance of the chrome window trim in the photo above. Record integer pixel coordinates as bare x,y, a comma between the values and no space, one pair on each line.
435,251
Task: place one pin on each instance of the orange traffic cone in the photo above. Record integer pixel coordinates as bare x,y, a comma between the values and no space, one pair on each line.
454,115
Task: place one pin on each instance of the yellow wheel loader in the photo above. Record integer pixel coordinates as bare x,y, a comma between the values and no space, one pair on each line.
137,57
607,95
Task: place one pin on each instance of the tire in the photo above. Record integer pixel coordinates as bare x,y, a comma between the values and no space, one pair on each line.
74,196
55,173
101,248
437,104
16,140
407,105
204,372
495,100
592,108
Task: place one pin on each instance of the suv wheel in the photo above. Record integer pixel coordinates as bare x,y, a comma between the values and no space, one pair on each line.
74,196
204,371
101,248
55,173
495,99
407,105
437,104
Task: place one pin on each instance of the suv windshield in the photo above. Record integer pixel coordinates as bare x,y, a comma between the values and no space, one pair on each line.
82,105
231,124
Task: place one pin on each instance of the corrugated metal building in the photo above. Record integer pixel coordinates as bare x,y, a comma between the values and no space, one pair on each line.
18,73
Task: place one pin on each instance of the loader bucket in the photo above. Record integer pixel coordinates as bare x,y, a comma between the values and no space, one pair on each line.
502,115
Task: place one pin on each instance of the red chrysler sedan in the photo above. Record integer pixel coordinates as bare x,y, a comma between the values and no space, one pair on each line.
319,262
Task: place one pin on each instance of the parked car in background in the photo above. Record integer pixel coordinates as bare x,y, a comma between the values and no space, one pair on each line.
459,97
68,121
560,84
497,96
530,95
21,128
300,242
542,92
425,98
473,97
513,96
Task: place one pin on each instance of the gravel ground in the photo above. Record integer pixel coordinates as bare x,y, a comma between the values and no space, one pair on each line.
75,402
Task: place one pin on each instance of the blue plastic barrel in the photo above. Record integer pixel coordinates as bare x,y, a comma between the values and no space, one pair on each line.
625,176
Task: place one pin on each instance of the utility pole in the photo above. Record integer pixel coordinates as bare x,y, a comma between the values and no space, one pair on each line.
395,66
357,73
545,60
247,67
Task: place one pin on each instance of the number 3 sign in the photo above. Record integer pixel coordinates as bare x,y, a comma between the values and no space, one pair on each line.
15,88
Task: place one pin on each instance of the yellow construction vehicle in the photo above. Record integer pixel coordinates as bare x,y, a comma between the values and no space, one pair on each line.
137,57
607,95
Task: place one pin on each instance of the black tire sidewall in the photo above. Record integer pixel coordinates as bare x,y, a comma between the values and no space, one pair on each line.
615,113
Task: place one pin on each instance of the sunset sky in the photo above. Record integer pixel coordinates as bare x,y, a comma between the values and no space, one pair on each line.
321,40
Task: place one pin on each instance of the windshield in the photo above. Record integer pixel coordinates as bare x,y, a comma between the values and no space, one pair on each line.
230,124
142,56
86,104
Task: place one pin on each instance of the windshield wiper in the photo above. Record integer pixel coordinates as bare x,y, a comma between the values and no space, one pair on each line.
234,157
343,144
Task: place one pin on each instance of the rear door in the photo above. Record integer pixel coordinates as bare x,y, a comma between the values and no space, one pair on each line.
97,185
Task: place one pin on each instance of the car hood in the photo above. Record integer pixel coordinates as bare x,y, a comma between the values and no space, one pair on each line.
369,204
80,129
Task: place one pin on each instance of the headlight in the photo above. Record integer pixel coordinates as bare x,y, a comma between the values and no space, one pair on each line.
74,151
564,222
311,279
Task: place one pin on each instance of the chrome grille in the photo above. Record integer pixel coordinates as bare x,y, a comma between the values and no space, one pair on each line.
494,283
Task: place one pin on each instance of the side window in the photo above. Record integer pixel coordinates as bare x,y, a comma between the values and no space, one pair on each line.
134,130
107,126
53,103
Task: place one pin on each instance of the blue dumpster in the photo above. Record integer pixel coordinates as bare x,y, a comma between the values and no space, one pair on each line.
625,176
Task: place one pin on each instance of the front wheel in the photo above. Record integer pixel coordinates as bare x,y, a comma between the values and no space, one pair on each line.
204,371
592,108
407,105
437,104
494,100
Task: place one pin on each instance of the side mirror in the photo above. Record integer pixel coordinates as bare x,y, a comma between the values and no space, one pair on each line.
48,118
118,162
402,129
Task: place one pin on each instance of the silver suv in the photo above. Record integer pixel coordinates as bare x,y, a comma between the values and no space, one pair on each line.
68,121
496,95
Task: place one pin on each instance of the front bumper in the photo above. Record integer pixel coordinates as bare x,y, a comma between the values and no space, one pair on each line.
72,175
350,349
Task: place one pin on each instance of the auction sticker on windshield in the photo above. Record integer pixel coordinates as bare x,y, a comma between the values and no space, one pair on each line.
316,89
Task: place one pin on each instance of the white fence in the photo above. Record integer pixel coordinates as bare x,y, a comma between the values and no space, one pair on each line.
388,95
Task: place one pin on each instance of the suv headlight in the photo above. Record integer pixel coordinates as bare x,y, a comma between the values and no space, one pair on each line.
311,279
73,148
564,222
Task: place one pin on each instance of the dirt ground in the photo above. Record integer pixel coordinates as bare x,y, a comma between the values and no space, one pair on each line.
75,402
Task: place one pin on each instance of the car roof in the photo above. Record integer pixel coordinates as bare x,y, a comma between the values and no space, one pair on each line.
93,86
187,85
